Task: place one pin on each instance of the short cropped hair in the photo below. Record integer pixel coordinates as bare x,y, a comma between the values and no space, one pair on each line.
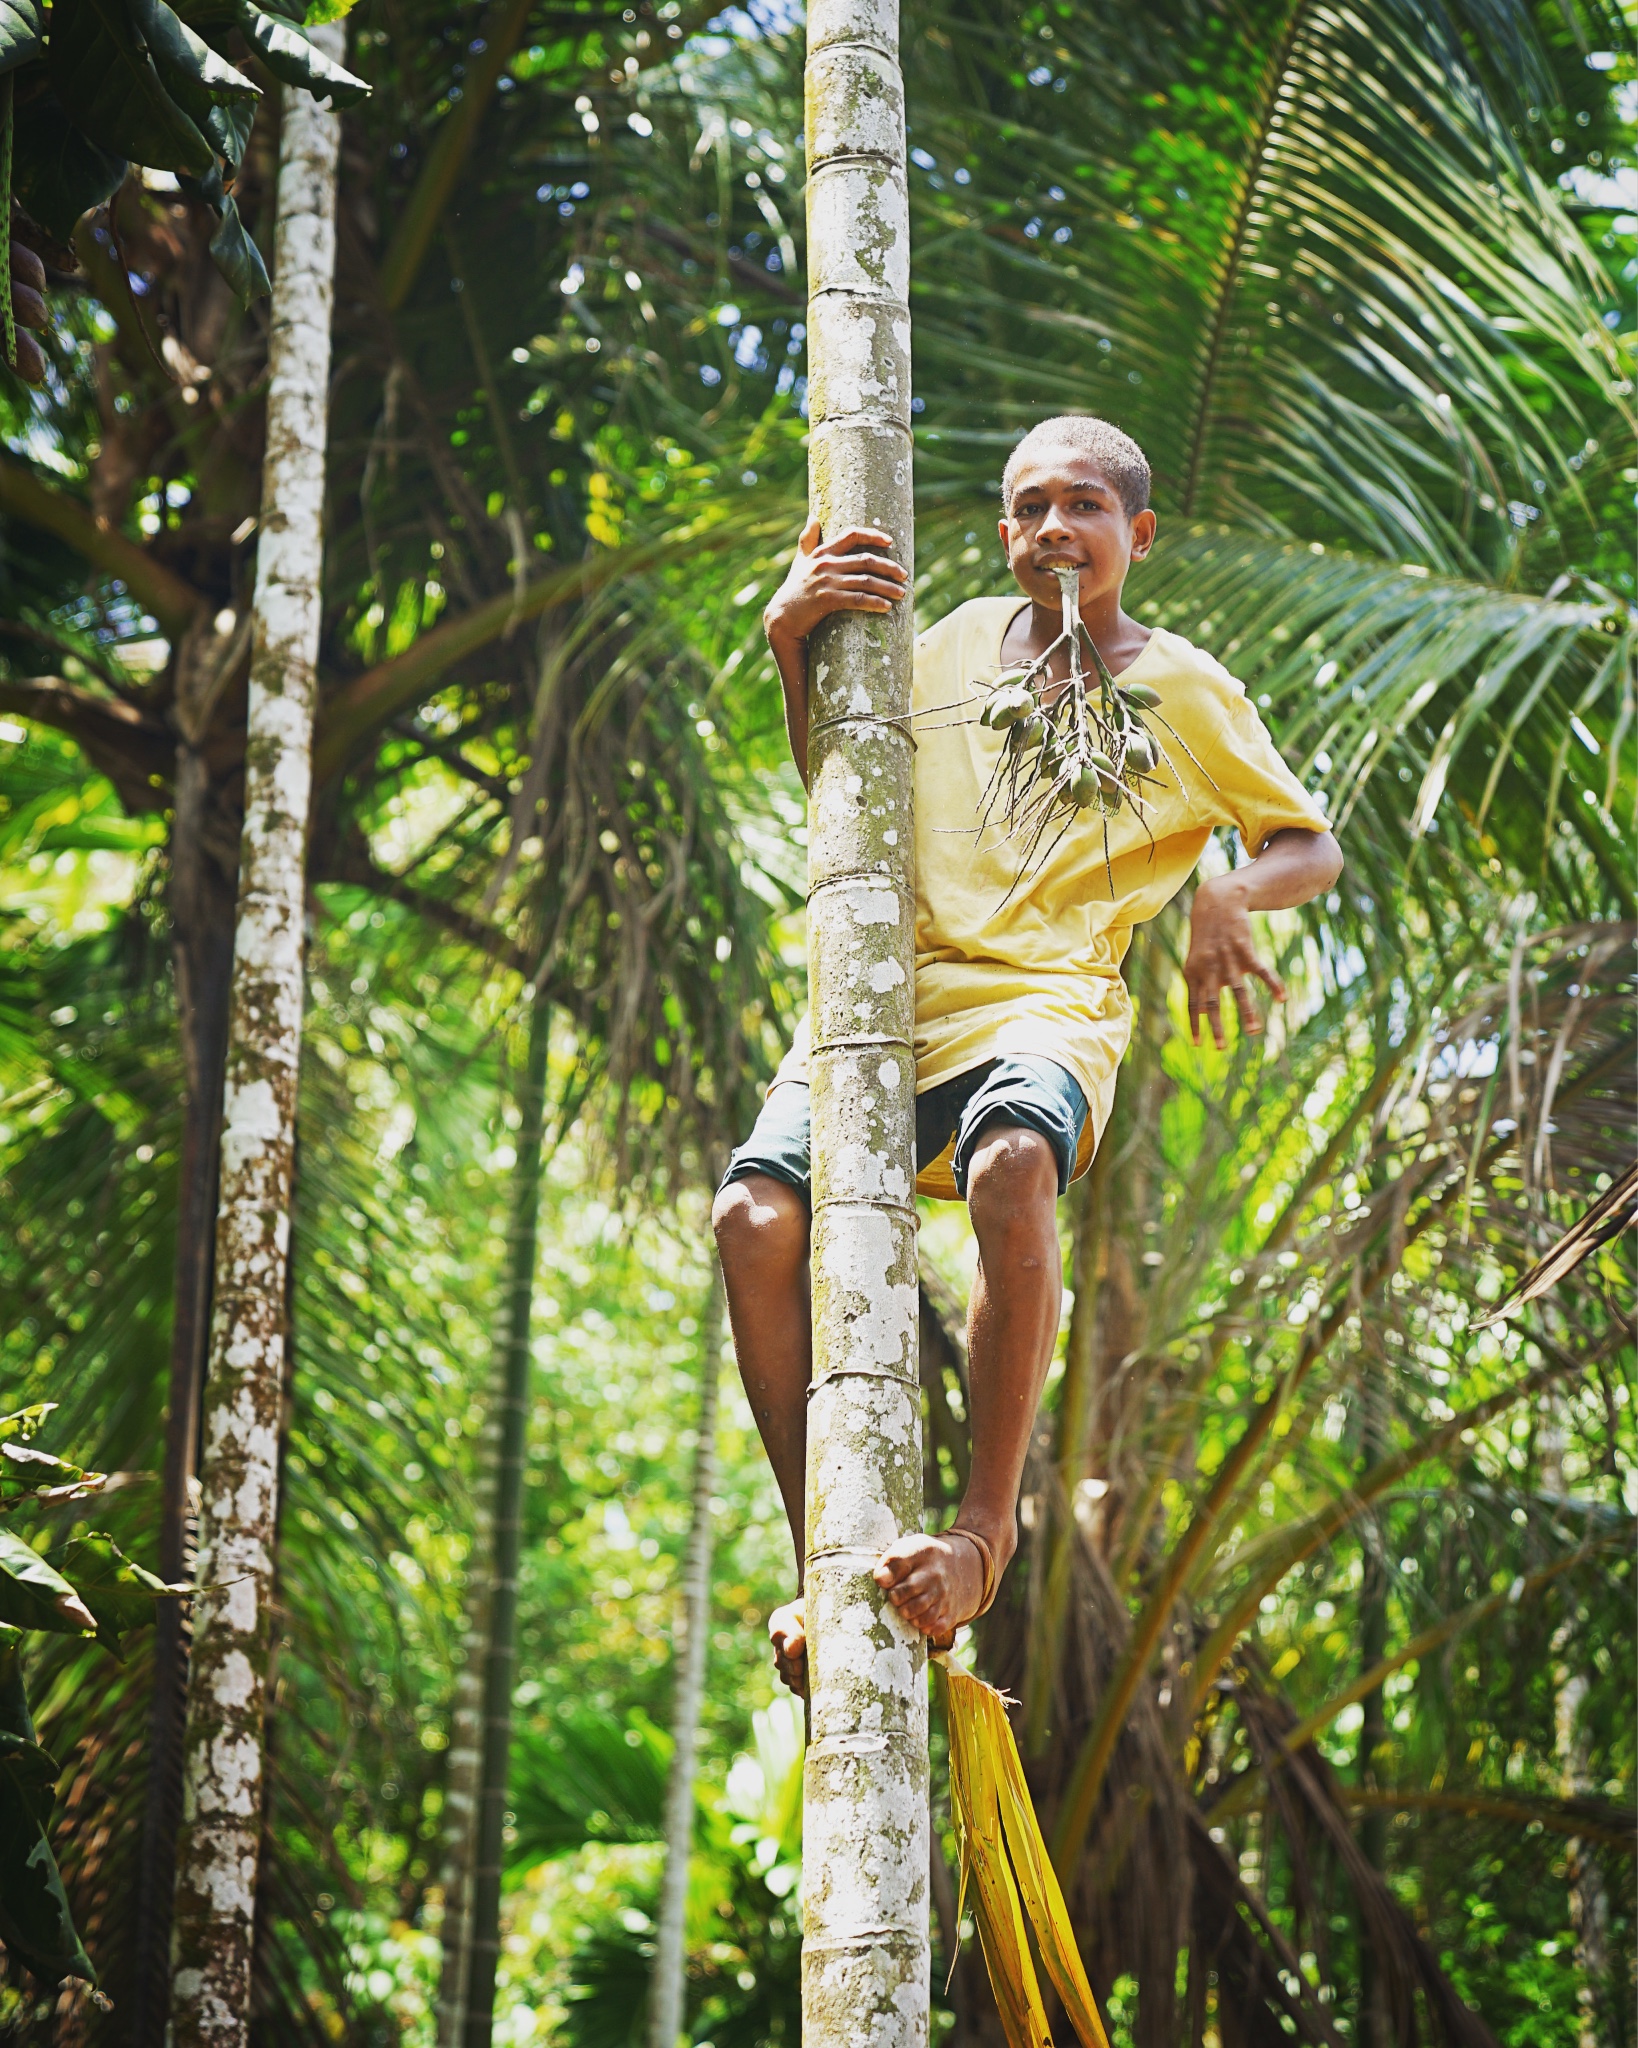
1122,461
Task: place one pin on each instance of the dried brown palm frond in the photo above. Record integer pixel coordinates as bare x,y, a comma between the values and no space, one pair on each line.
1615,1211
1005,1871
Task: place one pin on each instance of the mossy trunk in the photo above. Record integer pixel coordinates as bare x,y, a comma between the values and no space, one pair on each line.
219,1843
865,1955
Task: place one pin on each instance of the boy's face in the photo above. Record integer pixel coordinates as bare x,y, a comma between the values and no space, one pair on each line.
1064,511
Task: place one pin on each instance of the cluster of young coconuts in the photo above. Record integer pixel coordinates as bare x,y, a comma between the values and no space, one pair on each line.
1065,737
1072,746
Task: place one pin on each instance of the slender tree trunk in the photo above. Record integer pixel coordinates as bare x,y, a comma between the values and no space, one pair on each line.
667,1984
1589,1901
200,900
865,1952
500,1662
465,1758
217,1850
1374,2028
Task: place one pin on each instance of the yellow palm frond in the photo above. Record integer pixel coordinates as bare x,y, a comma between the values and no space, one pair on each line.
1003,1857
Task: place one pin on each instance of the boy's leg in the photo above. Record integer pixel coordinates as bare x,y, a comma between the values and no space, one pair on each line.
762,1229
937,1582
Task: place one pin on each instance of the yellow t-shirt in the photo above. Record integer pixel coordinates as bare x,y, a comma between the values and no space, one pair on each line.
1037,970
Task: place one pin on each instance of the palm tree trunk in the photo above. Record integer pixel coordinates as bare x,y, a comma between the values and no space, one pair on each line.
668,1981
865,1954
500,1661
219,1840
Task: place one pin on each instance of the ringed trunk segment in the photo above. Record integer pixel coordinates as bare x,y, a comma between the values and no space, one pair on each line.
218,1848
865,1958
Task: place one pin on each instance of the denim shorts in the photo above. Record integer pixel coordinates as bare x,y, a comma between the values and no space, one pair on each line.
1036,1093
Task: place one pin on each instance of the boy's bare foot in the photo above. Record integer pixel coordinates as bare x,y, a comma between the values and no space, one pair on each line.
939,1582
787,1631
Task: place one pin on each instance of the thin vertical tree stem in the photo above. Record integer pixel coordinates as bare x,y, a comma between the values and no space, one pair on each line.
668,1982
201,904
865,1951
500,1664
219,1841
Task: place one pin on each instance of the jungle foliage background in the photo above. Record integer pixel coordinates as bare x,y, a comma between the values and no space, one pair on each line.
1360,279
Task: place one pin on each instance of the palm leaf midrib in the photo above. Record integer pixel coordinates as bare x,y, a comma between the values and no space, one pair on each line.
1226,281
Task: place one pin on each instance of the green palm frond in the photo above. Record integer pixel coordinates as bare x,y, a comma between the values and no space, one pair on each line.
1334,295
592,1778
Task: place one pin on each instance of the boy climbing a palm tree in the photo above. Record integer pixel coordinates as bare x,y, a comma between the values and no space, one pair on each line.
1021,1013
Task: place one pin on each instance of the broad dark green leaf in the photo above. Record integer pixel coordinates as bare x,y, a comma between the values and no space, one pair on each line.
119,1592
197,77
229,130
106,79
22,33
237,256
28,1474
34,1594
36,1924
58,172
293,60
15,1718
34,1773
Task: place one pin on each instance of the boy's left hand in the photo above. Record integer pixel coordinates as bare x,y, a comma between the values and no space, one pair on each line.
1222,955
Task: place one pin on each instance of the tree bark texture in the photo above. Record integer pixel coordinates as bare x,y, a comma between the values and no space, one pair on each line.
500,1661
668,1982
217,1849
865,1954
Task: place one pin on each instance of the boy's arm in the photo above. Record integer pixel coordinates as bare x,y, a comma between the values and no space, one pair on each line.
852,573
1294,867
